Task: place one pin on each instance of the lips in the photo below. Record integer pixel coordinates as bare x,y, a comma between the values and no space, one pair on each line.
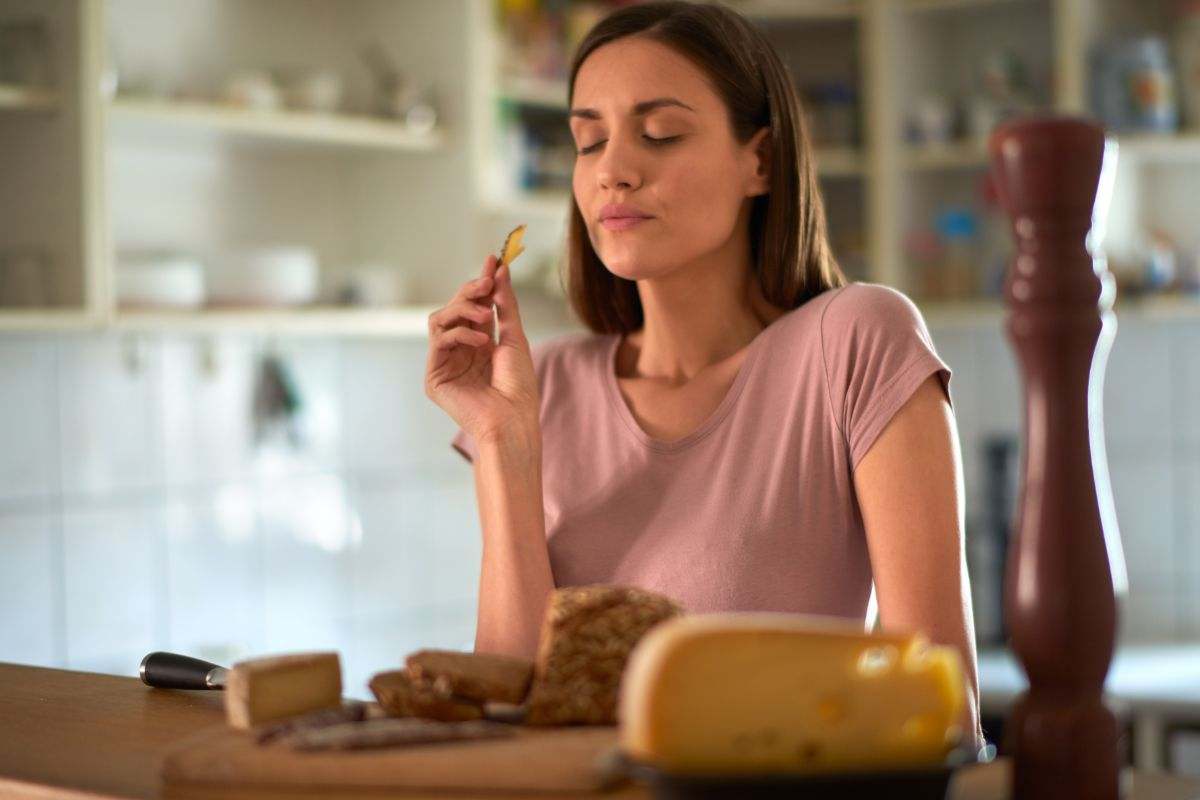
621,211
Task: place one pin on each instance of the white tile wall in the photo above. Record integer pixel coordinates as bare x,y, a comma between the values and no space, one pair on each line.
116,591
109,413
1138,390
1143,492
173,529
214,572
207,395
389,422
1185,355
1000,406
307,541
30,588
1187,503
29,451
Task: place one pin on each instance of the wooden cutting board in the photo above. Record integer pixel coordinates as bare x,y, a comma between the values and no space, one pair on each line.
552,761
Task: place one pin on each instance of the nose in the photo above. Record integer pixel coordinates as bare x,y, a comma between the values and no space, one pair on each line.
617,167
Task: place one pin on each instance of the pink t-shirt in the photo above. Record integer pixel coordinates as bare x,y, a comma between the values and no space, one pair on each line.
755,510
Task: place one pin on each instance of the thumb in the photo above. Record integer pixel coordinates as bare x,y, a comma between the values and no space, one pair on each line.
512,330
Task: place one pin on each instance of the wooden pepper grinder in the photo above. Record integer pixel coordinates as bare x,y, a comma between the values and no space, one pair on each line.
1066,550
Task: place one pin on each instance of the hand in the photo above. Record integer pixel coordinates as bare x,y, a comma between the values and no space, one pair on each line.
488,388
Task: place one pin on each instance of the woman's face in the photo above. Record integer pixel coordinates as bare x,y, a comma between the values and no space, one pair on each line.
692,183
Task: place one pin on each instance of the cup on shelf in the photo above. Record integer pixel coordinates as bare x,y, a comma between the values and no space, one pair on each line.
318,91
159,280
253,89
376,286
264,276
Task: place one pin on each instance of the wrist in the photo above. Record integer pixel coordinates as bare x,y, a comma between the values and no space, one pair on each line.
515,439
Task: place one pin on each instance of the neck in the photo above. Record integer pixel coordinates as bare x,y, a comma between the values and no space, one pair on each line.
700,314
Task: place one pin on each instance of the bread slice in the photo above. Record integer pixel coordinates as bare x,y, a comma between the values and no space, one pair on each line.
482,677
401,696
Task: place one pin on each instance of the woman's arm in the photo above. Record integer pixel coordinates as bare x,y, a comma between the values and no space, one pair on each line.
910,490
515,581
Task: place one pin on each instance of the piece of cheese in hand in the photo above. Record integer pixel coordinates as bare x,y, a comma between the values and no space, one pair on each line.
771,692
274,687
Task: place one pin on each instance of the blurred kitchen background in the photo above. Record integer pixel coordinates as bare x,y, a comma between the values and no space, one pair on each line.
224,222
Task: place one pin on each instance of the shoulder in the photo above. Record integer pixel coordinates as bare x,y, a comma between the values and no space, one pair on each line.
866,307
566,353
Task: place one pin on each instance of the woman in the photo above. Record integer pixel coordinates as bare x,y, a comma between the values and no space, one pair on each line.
742,430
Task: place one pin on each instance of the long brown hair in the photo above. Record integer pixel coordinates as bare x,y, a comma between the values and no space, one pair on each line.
789,243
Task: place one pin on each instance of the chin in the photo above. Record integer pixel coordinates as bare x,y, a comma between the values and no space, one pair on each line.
631,268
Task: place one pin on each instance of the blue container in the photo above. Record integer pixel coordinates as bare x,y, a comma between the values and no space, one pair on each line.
1133,86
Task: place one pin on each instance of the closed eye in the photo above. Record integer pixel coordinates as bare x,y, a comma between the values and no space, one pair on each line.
665,140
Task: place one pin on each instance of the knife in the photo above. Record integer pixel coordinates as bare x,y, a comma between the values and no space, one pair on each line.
177,671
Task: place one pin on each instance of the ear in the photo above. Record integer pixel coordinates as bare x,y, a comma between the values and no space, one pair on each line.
759,148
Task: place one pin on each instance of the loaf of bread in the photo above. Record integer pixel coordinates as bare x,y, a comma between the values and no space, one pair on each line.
586,637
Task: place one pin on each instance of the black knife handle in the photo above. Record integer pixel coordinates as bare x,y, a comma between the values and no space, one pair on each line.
176,671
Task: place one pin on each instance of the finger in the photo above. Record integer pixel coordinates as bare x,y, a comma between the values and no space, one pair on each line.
477,289
511,329
470,310
453,337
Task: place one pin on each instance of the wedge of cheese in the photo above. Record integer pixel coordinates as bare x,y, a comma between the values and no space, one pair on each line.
769,692
274,687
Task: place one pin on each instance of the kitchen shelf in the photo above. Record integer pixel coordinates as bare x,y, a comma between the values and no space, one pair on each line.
46,319
969,154
285,126
992,311
402,322
1149,147
786,10
541,203
537,92
834,162
27,98
950,5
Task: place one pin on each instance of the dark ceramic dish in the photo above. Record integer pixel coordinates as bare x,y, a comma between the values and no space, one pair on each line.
923,784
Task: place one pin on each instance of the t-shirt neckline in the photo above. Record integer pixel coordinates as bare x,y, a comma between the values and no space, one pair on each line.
707,426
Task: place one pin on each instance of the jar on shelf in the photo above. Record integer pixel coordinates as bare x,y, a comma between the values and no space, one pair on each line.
958,228
1135,86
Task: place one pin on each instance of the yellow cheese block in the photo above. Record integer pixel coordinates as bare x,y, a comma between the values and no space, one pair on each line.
772,692
274,687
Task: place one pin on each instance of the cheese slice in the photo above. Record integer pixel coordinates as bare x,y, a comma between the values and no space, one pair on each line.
274,687
771,692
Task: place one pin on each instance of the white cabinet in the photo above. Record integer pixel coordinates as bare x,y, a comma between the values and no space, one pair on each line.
165,165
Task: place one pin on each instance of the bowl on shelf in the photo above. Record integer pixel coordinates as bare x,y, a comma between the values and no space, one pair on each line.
265,276
159,280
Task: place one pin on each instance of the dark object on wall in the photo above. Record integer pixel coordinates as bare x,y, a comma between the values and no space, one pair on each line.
1059,599
276,401
990,541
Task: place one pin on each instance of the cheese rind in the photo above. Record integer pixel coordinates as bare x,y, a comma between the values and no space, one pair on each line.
275,687
771,692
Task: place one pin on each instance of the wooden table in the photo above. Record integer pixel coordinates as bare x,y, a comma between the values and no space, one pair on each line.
80,735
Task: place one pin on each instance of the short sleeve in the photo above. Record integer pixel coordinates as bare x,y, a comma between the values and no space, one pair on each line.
464,444
877,352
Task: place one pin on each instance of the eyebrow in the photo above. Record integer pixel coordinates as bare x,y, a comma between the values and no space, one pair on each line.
644,107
